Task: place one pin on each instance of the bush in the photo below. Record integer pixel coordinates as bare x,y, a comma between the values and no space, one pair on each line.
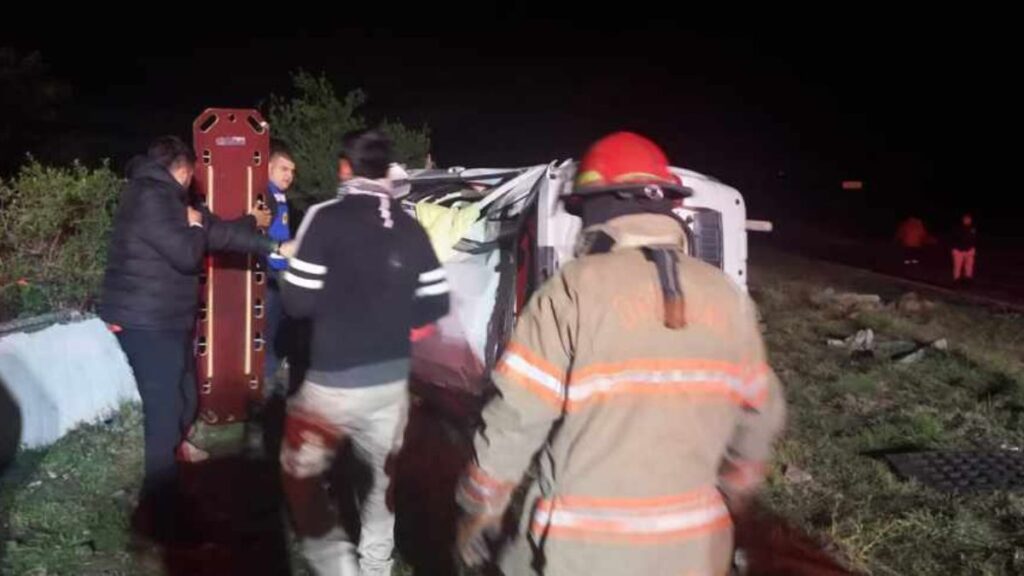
54,226
313,122
55,221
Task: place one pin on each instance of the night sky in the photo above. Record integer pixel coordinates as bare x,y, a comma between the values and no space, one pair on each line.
782,106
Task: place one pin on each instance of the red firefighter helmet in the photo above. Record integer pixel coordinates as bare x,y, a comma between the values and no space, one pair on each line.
626,162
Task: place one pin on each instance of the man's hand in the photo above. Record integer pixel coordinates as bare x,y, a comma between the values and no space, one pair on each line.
262,215
288,249
195,217
471,540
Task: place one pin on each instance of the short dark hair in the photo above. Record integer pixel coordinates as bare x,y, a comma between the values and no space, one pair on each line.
279,148
369,152
171,152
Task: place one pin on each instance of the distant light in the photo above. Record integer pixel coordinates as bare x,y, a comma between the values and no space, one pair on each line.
853,185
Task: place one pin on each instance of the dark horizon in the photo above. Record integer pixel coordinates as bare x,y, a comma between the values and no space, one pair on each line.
784,113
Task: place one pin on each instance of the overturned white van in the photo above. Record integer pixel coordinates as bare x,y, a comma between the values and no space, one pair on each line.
502,232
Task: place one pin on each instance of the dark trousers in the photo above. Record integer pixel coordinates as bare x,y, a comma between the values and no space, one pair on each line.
274,311
162,361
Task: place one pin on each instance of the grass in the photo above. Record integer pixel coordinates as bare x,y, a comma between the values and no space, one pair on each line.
66,509
844,409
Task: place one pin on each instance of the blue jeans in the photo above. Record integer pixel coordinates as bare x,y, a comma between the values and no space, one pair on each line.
274,313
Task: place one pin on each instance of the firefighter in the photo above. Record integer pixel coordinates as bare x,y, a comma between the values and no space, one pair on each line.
636,383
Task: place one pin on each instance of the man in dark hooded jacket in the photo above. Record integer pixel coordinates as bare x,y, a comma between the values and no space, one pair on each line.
150,300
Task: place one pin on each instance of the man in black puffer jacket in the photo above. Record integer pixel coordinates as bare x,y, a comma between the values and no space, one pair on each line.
150,299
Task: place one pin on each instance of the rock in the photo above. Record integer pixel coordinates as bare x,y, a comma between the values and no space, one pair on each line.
913,357
862,341
795,475
862,301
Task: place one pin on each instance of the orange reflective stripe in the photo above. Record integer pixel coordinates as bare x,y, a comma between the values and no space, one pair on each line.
656,364
478,476
535,360
591,535
539,390
742,384
632,519
760,396
759,370
539,377
705,389
482,488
